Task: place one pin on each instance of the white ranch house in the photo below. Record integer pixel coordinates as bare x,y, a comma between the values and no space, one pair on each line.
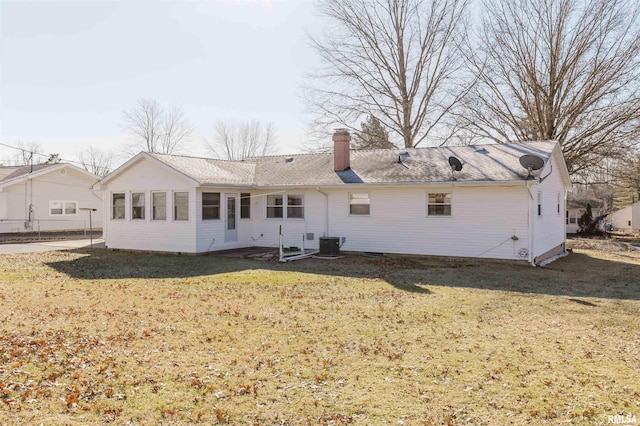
48,197
626,220
405,201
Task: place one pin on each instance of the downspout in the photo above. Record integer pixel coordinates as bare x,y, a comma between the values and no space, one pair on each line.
531,222
326,211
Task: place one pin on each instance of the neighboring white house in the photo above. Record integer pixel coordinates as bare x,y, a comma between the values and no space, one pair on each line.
576,206
48,197
406,201
627,219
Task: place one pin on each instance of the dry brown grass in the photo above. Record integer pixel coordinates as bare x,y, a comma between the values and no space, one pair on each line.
94,337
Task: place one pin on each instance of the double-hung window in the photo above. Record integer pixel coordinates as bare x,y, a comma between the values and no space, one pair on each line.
159,206
359,204
439,204
117,205
274,206
295,207
210,205
245,205
180,206
137,205
63,208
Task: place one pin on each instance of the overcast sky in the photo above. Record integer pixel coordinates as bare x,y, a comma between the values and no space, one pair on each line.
69,68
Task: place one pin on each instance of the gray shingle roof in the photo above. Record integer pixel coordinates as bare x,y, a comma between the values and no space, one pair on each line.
496,162
14,172
208,171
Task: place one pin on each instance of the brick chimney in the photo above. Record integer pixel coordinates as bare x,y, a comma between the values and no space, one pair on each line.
341,154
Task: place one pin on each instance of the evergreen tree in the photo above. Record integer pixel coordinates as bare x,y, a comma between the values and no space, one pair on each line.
373,135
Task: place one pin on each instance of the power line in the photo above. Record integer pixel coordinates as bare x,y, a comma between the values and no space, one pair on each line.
42,155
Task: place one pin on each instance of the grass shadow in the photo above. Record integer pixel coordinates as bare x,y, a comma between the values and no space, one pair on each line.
579,275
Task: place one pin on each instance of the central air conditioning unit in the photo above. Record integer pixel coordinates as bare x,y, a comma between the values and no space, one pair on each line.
329,246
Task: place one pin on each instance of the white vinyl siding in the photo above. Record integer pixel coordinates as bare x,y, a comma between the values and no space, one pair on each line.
549,230
483,223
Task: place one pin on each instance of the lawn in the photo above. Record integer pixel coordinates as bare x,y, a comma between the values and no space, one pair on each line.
92,337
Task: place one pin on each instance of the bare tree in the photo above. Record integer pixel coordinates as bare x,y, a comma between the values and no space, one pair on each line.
27,153
232,141
395,59
96,161
565,70
154,129
627,175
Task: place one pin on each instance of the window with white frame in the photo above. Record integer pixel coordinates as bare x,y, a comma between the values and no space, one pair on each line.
210,205
359,204
245,205
180,206
63,208
117,205
159,205
439,204
274,206
295,206
137,205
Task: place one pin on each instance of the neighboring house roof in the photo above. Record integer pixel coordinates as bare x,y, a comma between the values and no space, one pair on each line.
581,203
481,163
16,174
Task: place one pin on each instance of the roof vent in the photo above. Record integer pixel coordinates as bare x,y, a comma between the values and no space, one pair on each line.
482,150
288,160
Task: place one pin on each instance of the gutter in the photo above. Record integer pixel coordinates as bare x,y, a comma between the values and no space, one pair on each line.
511,183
